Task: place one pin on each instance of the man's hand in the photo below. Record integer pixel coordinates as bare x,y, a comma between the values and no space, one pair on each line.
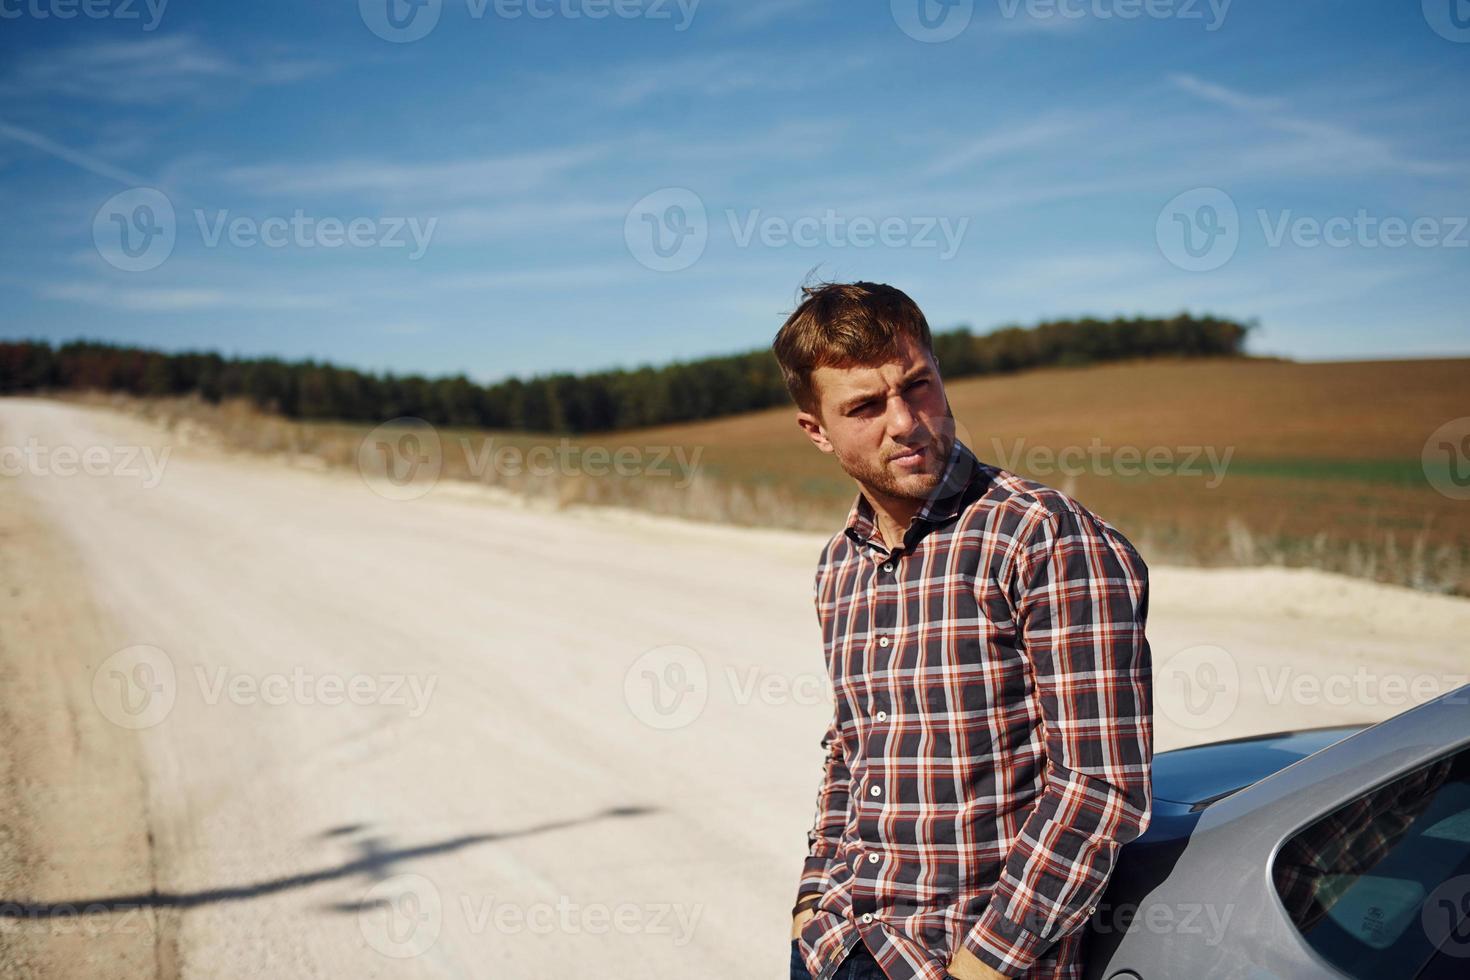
967,966
799,920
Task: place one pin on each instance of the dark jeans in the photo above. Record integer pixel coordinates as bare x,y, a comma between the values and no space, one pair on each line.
859,965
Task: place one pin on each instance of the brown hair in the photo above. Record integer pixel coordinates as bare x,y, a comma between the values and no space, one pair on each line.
845,325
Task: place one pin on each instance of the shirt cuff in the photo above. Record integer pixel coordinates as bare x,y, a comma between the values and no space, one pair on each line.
815,875
1004,946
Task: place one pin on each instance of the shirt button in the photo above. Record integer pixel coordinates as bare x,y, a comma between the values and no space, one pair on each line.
876,791
872,859
867,916
888,566
881,716
882,641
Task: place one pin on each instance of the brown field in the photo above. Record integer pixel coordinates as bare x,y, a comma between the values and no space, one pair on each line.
1322,462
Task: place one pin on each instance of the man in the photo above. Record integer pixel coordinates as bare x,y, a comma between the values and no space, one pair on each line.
992,739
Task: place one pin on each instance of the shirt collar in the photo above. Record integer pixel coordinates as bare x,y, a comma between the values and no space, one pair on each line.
943,502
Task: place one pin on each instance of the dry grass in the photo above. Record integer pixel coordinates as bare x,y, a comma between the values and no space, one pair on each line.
1321,462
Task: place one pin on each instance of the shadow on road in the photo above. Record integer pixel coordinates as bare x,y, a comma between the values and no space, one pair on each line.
378,859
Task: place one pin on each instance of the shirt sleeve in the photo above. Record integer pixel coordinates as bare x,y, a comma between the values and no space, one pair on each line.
1080,593
830,817
831,810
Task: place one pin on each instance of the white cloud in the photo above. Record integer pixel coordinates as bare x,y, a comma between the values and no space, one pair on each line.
164,299
150,70
1315,145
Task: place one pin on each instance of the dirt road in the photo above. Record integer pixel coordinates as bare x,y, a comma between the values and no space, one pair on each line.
264,720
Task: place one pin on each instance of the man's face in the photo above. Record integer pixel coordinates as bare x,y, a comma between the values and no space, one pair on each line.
888,425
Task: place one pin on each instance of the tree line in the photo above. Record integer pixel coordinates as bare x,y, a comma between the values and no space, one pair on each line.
572,403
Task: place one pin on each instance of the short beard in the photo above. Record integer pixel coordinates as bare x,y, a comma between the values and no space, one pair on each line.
881,478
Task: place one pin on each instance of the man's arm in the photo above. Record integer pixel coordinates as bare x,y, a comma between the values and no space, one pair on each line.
1080,594
830,817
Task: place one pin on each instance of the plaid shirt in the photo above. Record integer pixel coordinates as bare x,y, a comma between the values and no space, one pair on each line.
992,738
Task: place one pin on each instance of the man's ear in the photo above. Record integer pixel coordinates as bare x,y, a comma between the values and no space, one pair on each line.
812,426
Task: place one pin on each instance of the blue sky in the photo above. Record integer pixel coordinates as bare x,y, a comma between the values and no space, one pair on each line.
1048,159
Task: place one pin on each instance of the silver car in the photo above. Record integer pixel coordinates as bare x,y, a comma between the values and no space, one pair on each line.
1331,852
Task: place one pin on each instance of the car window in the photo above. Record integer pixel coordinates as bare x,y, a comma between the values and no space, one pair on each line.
1381,886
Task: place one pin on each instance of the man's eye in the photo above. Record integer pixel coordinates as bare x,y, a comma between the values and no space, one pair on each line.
918,384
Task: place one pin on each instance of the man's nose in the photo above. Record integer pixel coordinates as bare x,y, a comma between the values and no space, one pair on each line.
901,421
